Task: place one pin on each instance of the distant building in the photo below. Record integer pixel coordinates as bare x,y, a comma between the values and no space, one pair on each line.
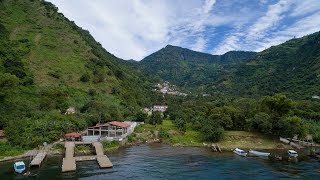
158,108
315,97
2,134
147,111
71,110
164,90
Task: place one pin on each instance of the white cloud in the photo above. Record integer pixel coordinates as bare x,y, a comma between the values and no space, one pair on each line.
136,28
305,7
229,44
273,27
273,16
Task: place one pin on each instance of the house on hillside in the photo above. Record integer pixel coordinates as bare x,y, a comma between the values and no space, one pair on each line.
2,134
157,108
70,110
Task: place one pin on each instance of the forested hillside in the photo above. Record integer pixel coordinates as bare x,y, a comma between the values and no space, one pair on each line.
190,69
292,68
49,64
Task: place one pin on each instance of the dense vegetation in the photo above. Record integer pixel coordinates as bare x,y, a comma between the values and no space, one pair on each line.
274,115
291,68
48,64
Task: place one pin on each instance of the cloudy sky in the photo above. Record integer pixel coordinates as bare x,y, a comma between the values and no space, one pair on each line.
133,29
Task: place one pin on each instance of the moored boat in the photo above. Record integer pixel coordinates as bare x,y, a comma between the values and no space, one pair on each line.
292,153
258,153
19,166
240,152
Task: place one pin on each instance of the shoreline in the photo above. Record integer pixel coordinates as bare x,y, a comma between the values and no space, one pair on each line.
57,152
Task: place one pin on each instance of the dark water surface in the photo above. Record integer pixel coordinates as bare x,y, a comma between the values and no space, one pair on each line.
158,161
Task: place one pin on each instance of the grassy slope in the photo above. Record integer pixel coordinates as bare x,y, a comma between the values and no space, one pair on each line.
57,47
232,139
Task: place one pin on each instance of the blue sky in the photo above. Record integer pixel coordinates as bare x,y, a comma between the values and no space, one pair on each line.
133,29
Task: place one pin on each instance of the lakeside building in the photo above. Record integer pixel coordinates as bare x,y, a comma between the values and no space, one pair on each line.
110,129
114,130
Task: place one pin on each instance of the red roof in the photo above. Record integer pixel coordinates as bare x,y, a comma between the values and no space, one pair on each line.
73,134
120,124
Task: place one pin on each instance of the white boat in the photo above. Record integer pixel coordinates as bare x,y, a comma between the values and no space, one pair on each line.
19,166
292,153
258,153
240,152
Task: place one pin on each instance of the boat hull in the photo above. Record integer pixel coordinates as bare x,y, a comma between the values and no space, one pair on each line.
257,153
19,167
240,152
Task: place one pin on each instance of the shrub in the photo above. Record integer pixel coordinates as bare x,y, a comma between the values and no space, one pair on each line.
163,133
85,77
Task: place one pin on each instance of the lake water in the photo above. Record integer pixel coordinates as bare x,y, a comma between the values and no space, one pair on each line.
159,161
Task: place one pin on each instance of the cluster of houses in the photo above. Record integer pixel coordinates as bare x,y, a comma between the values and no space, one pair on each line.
165,88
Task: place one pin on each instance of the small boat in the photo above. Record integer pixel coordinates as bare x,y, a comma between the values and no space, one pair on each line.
240,152
292,153
19,166
29,174
258,153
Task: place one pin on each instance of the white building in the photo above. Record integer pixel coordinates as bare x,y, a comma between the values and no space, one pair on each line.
158,108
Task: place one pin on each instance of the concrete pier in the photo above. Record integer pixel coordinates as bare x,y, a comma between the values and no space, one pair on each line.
102,159
69,161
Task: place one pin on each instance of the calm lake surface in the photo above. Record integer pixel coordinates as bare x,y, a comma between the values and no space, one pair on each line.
159,161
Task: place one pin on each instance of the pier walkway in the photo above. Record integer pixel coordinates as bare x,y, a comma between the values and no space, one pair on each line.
37,160
69,161
102,159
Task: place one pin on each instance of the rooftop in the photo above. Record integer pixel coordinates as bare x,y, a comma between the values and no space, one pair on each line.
114,123
73,134
120,124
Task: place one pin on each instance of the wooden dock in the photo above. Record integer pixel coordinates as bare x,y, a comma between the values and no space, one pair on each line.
69,162
37,160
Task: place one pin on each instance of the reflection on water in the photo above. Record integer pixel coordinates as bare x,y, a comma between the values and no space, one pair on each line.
158,161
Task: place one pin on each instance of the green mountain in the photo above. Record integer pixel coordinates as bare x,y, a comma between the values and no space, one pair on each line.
190,69
48,64
292,68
